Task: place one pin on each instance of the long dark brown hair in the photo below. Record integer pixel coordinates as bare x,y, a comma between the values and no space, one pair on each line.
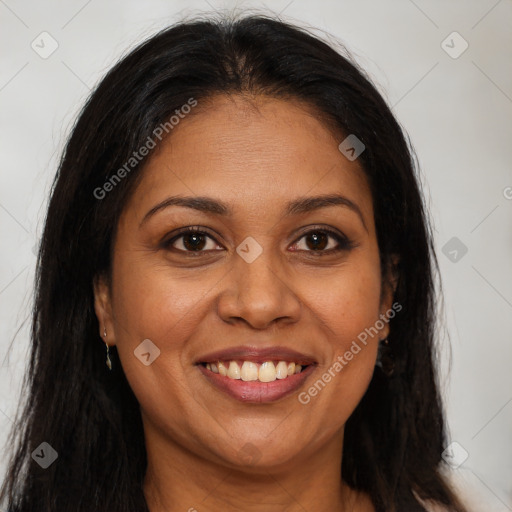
394,439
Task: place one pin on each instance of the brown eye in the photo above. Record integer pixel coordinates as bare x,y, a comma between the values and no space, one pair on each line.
322,241
192,240
317,241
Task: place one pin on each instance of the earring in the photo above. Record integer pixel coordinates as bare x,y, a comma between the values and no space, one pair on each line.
385,358
109,362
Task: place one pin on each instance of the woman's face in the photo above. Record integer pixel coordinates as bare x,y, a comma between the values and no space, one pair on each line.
284,268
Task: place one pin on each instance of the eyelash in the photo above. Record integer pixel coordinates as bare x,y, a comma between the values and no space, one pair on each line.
343,243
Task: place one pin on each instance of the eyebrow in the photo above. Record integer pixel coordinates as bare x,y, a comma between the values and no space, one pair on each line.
297,207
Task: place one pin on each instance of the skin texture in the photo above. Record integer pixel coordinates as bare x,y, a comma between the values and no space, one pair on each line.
254,154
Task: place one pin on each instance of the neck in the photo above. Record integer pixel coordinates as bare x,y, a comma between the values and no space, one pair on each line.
179,479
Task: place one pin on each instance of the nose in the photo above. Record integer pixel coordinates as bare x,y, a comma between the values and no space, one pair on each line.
255,294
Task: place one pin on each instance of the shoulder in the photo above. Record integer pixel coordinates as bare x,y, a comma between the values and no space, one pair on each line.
432,506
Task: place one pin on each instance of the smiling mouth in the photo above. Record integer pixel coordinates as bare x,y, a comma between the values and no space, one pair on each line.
248,371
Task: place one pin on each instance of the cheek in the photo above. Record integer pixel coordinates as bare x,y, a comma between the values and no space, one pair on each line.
348,303
347,307
151,304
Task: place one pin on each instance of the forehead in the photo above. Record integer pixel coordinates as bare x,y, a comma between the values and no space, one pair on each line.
258,152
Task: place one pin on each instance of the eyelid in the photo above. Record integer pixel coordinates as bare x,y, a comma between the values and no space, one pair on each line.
326,229
343,241
169,239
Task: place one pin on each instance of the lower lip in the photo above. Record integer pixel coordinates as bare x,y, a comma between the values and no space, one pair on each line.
256,391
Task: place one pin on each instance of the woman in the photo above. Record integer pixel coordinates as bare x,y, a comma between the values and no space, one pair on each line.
237,219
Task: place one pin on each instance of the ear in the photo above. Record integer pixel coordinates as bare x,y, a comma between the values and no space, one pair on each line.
103,309
389,285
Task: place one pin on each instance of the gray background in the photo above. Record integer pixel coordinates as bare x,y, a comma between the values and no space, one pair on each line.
456,110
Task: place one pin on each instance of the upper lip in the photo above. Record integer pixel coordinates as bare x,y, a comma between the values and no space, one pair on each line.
257,355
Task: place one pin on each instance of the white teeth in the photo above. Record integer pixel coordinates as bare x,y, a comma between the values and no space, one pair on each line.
222,369
234,370
249,371
267,372
281,370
